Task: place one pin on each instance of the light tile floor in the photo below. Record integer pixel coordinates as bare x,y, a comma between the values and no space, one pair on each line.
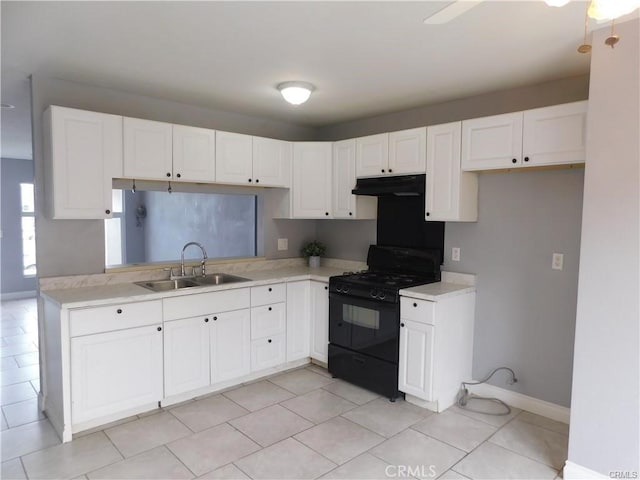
299,424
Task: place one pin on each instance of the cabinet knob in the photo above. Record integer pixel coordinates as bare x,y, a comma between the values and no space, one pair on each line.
326,213
269,340
515,160
270,308
428,214
215,318
206,320
159,329
270,289
168,174
257,180
382,170
249,180
402,324
107,211
390,171
526,159
178,175
415,304
350,214
119,310
326,288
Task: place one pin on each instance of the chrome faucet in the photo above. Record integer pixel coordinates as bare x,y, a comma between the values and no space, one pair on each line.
202,263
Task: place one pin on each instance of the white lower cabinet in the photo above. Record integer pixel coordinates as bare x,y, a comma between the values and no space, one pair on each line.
436,348
230,345
186,355
115,372
268,352
319,321
298,319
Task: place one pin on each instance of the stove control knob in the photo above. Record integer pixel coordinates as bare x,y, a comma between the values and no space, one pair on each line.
345,290
382,296
373,294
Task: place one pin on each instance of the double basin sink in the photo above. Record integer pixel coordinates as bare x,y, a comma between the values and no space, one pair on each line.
180,283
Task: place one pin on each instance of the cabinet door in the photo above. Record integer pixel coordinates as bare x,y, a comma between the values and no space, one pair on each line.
230,345
268,352
451,195
147,149
311,180
194,154
407,151
555,135
234,158
272,162
492,142
320,320
372,155
298,319
415,366
115,372
344,179
186,355
84,154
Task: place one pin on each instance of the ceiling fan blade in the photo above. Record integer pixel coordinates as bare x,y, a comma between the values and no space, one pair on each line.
451,11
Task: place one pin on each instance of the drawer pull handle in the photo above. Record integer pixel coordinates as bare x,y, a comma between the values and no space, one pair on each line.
270,289
215,318
514,161
159,329
119,311
415,304
269,340
206,320
326,288
270,309
402,324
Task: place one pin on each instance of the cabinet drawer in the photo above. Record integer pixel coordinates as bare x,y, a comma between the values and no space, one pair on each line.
205,303
268,352
268,320
417,310
266,294
86,321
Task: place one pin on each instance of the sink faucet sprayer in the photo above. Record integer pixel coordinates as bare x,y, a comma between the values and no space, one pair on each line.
202,263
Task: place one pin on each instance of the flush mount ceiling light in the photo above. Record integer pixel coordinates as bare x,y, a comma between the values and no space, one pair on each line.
296,93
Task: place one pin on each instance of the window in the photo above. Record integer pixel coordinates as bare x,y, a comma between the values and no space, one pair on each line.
28,230
150,226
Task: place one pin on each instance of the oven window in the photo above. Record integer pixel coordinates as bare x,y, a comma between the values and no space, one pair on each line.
361,317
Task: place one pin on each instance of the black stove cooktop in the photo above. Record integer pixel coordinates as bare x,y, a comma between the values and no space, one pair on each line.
390,270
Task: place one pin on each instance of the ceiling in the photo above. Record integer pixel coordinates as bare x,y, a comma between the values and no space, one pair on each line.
365,58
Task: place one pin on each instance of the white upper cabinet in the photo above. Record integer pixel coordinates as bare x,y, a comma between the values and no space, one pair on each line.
407,151
311,187
555,135
492,142
345,204
234,158
372,155
194,154
83,153
272,162
543,136
148,149
451,195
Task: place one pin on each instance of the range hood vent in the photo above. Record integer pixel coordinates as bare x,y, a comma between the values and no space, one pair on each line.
401,185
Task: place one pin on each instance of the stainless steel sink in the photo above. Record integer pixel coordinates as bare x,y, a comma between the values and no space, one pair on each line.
219,279
168,285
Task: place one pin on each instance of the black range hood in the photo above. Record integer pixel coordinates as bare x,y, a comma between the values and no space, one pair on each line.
401,186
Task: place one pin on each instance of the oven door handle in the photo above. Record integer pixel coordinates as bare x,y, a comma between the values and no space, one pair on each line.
359,360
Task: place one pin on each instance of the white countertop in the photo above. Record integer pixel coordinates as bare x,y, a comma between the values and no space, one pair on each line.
129,292
434,292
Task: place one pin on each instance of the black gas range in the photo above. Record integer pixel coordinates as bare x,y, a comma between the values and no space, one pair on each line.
364,315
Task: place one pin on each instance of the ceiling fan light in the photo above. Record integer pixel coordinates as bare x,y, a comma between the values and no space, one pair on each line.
296,93
556,3
611,9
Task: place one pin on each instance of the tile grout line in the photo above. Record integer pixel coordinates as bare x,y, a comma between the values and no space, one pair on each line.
166,446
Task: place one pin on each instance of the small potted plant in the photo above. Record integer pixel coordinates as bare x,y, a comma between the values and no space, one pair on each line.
313,251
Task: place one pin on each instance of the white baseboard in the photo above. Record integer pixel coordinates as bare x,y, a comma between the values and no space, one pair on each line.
5,297
525,402
573,471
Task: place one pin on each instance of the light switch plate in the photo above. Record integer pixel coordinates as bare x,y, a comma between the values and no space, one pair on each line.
557,263
455,254
283,244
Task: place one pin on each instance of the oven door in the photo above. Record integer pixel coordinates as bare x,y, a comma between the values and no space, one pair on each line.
364,326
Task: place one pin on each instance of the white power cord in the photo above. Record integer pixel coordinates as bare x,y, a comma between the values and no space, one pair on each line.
464,396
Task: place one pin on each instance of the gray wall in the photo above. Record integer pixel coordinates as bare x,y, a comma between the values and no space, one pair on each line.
550,93
525,311
347,239
67,247
605,409
12,173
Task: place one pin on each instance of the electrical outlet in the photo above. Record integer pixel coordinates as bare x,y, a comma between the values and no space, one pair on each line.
455,254
283,244
558,261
